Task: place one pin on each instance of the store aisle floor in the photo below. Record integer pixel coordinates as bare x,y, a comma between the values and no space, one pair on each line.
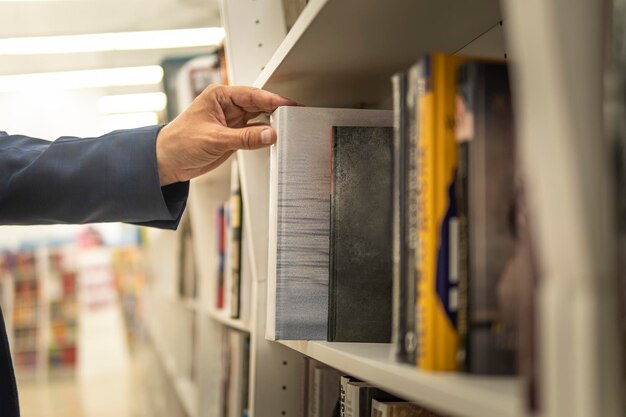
105,396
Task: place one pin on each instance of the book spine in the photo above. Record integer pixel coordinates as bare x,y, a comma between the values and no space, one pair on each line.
235,240
493,279
464,132
343,395
438,227
403,331
219,299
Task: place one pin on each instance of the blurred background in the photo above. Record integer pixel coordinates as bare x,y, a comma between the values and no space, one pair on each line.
72,295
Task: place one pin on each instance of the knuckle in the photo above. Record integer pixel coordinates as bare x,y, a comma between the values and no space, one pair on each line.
247,139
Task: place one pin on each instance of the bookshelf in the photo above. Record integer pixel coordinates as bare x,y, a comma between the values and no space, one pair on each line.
463,395
341,53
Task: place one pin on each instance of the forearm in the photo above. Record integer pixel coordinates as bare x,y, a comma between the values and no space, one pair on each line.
110,178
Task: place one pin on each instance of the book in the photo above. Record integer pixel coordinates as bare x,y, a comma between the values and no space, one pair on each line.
486,196
398,409
323,390
238,355
228,258
361,235
404,218
187,265
343,382
245,290
221,242
437,218
298,247
234,233
361,395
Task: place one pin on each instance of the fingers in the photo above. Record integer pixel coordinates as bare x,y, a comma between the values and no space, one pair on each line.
254,100
252,137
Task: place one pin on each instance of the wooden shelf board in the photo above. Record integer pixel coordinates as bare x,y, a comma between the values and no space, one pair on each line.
223,318
454,393
342,53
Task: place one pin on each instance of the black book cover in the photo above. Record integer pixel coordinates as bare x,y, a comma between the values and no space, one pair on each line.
486,197
369,393
361,235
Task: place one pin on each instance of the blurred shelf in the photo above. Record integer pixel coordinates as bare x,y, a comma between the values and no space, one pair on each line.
226,320
455,393
219,174
191,303
24,349
188,394
185,389
25,326
342,53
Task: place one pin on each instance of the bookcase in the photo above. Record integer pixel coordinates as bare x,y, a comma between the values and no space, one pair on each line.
341,53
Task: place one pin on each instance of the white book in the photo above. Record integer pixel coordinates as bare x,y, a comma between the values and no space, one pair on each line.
299,226
343,395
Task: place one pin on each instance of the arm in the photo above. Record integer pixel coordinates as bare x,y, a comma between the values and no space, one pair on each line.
137,175
110,178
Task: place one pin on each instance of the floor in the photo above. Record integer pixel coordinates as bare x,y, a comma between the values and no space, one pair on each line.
105,396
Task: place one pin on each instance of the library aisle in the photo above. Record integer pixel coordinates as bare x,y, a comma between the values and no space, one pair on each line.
439,229
107,396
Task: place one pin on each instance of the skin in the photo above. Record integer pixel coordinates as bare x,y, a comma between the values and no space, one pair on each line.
213,127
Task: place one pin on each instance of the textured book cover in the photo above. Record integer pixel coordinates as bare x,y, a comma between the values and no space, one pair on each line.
235,239
404,217
360,295
486,197
437,218
298,248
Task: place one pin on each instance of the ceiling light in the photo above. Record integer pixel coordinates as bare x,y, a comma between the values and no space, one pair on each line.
122,41
110,77
132,103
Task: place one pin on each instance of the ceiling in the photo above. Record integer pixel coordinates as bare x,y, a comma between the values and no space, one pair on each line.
22,18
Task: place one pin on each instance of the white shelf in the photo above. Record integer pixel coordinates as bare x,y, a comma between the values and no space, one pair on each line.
185,389
343,52
226,320
458,394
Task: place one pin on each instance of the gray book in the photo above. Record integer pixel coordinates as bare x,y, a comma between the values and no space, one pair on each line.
299,227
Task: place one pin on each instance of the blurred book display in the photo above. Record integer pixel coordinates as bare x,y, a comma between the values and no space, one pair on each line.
62,294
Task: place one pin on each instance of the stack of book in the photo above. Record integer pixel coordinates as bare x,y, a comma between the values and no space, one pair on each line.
333,394
406,226
234,282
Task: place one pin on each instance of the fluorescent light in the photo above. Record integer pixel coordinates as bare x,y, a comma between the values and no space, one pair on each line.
110,77
132,103
129,121
122,41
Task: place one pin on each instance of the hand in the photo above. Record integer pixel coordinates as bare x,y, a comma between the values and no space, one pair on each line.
213,127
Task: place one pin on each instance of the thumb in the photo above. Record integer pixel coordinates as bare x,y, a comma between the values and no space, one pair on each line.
251,137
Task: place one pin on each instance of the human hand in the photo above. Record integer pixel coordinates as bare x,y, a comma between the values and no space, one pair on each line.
213,127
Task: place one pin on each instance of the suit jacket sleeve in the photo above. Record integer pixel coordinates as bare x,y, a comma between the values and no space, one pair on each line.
71,180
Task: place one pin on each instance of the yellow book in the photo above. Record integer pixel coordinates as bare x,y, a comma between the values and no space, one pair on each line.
437,218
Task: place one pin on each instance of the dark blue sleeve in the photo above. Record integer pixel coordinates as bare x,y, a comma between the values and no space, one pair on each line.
111,178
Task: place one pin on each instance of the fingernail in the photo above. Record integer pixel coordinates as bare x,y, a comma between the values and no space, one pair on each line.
266,137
